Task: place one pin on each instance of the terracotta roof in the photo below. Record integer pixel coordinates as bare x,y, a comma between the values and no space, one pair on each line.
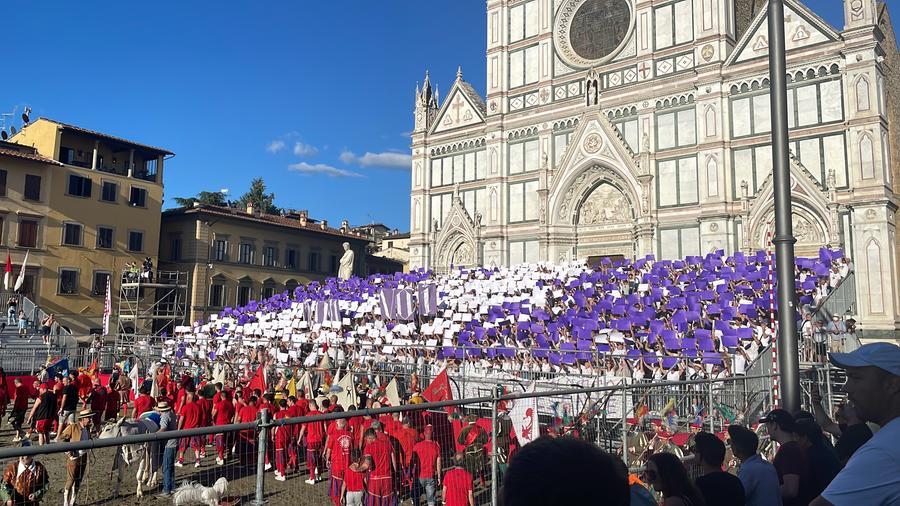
270,219
86,131
24,153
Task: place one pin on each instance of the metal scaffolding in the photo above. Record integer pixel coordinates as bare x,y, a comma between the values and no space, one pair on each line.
149,307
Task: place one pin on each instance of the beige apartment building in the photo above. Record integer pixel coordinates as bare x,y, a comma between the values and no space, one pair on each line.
82,204
233,256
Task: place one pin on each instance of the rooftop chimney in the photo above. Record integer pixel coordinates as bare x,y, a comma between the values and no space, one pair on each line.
345,226
250,208
324,224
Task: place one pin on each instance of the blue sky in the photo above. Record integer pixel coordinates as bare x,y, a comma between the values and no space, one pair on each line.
315,97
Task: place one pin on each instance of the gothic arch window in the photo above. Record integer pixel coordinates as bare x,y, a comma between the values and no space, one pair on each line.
711,127
418,173
712,176
863,101
417,215
494,162
874,277
885,149
494,206
866,157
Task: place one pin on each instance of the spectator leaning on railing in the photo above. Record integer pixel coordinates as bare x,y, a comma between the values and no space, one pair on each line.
872,475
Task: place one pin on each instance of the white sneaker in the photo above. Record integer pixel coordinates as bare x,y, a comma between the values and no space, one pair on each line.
279,477
311,482
219,462
268,466
197,464
179,464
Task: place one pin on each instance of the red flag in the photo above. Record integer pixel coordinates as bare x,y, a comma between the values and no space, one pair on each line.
439,389
258,380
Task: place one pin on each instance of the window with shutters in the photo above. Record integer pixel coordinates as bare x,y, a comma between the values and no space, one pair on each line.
109,192
32,187
138,197
72,234
28,233
68,281
79,186
105,237
135,241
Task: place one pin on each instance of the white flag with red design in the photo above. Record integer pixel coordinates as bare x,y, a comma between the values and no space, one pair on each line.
524,415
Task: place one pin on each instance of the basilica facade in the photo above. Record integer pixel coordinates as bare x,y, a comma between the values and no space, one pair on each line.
623,128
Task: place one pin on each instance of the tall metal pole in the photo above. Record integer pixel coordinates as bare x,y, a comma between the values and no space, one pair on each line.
497,391
259,496
788,360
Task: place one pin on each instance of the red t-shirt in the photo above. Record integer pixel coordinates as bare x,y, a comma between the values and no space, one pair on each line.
302,407
192,415
205,411
354,480
458,482
143,403
340,443
427,452
248,413
245,415
407,438
179,399
282,432
380,451
224,412
315,431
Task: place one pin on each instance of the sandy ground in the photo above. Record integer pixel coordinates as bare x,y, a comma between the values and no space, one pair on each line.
99,483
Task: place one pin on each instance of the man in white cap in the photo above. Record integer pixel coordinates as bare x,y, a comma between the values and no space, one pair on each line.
872,475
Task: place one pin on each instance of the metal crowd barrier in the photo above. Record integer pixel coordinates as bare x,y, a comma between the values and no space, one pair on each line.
624,434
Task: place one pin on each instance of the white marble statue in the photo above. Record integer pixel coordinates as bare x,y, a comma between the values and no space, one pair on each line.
346,268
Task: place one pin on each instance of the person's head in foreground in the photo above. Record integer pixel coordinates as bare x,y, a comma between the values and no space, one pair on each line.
557,471
710,450
667,474
744,442
873,380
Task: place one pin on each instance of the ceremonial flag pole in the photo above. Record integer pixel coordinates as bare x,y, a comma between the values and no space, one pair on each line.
107,306
21,279
7,274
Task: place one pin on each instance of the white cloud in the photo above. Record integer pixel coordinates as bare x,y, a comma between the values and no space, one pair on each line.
276,146
384,160
321,168
301,149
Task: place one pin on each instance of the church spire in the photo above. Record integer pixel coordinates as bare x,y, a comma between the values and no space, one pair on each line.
459,73
426,104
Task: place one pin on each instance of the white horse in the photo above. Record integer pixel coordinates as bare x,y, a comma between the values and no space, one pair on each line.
146,455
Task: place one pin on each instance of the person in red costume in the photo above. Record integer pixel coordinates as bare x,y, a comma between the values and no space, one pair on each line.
223,414
191,416
381,468
315,441
337,455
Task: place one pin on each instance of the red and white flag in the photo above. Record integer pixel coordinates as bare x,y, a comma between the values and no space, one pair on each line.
524,416
107,306
21,279
7,274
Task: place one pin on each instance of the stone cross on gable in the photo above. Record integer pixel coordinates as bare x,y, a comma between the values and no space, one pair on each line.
457,105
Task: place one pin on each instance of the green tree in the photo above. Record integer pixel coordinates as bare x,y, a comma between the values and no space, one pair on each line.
209,198
258,197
